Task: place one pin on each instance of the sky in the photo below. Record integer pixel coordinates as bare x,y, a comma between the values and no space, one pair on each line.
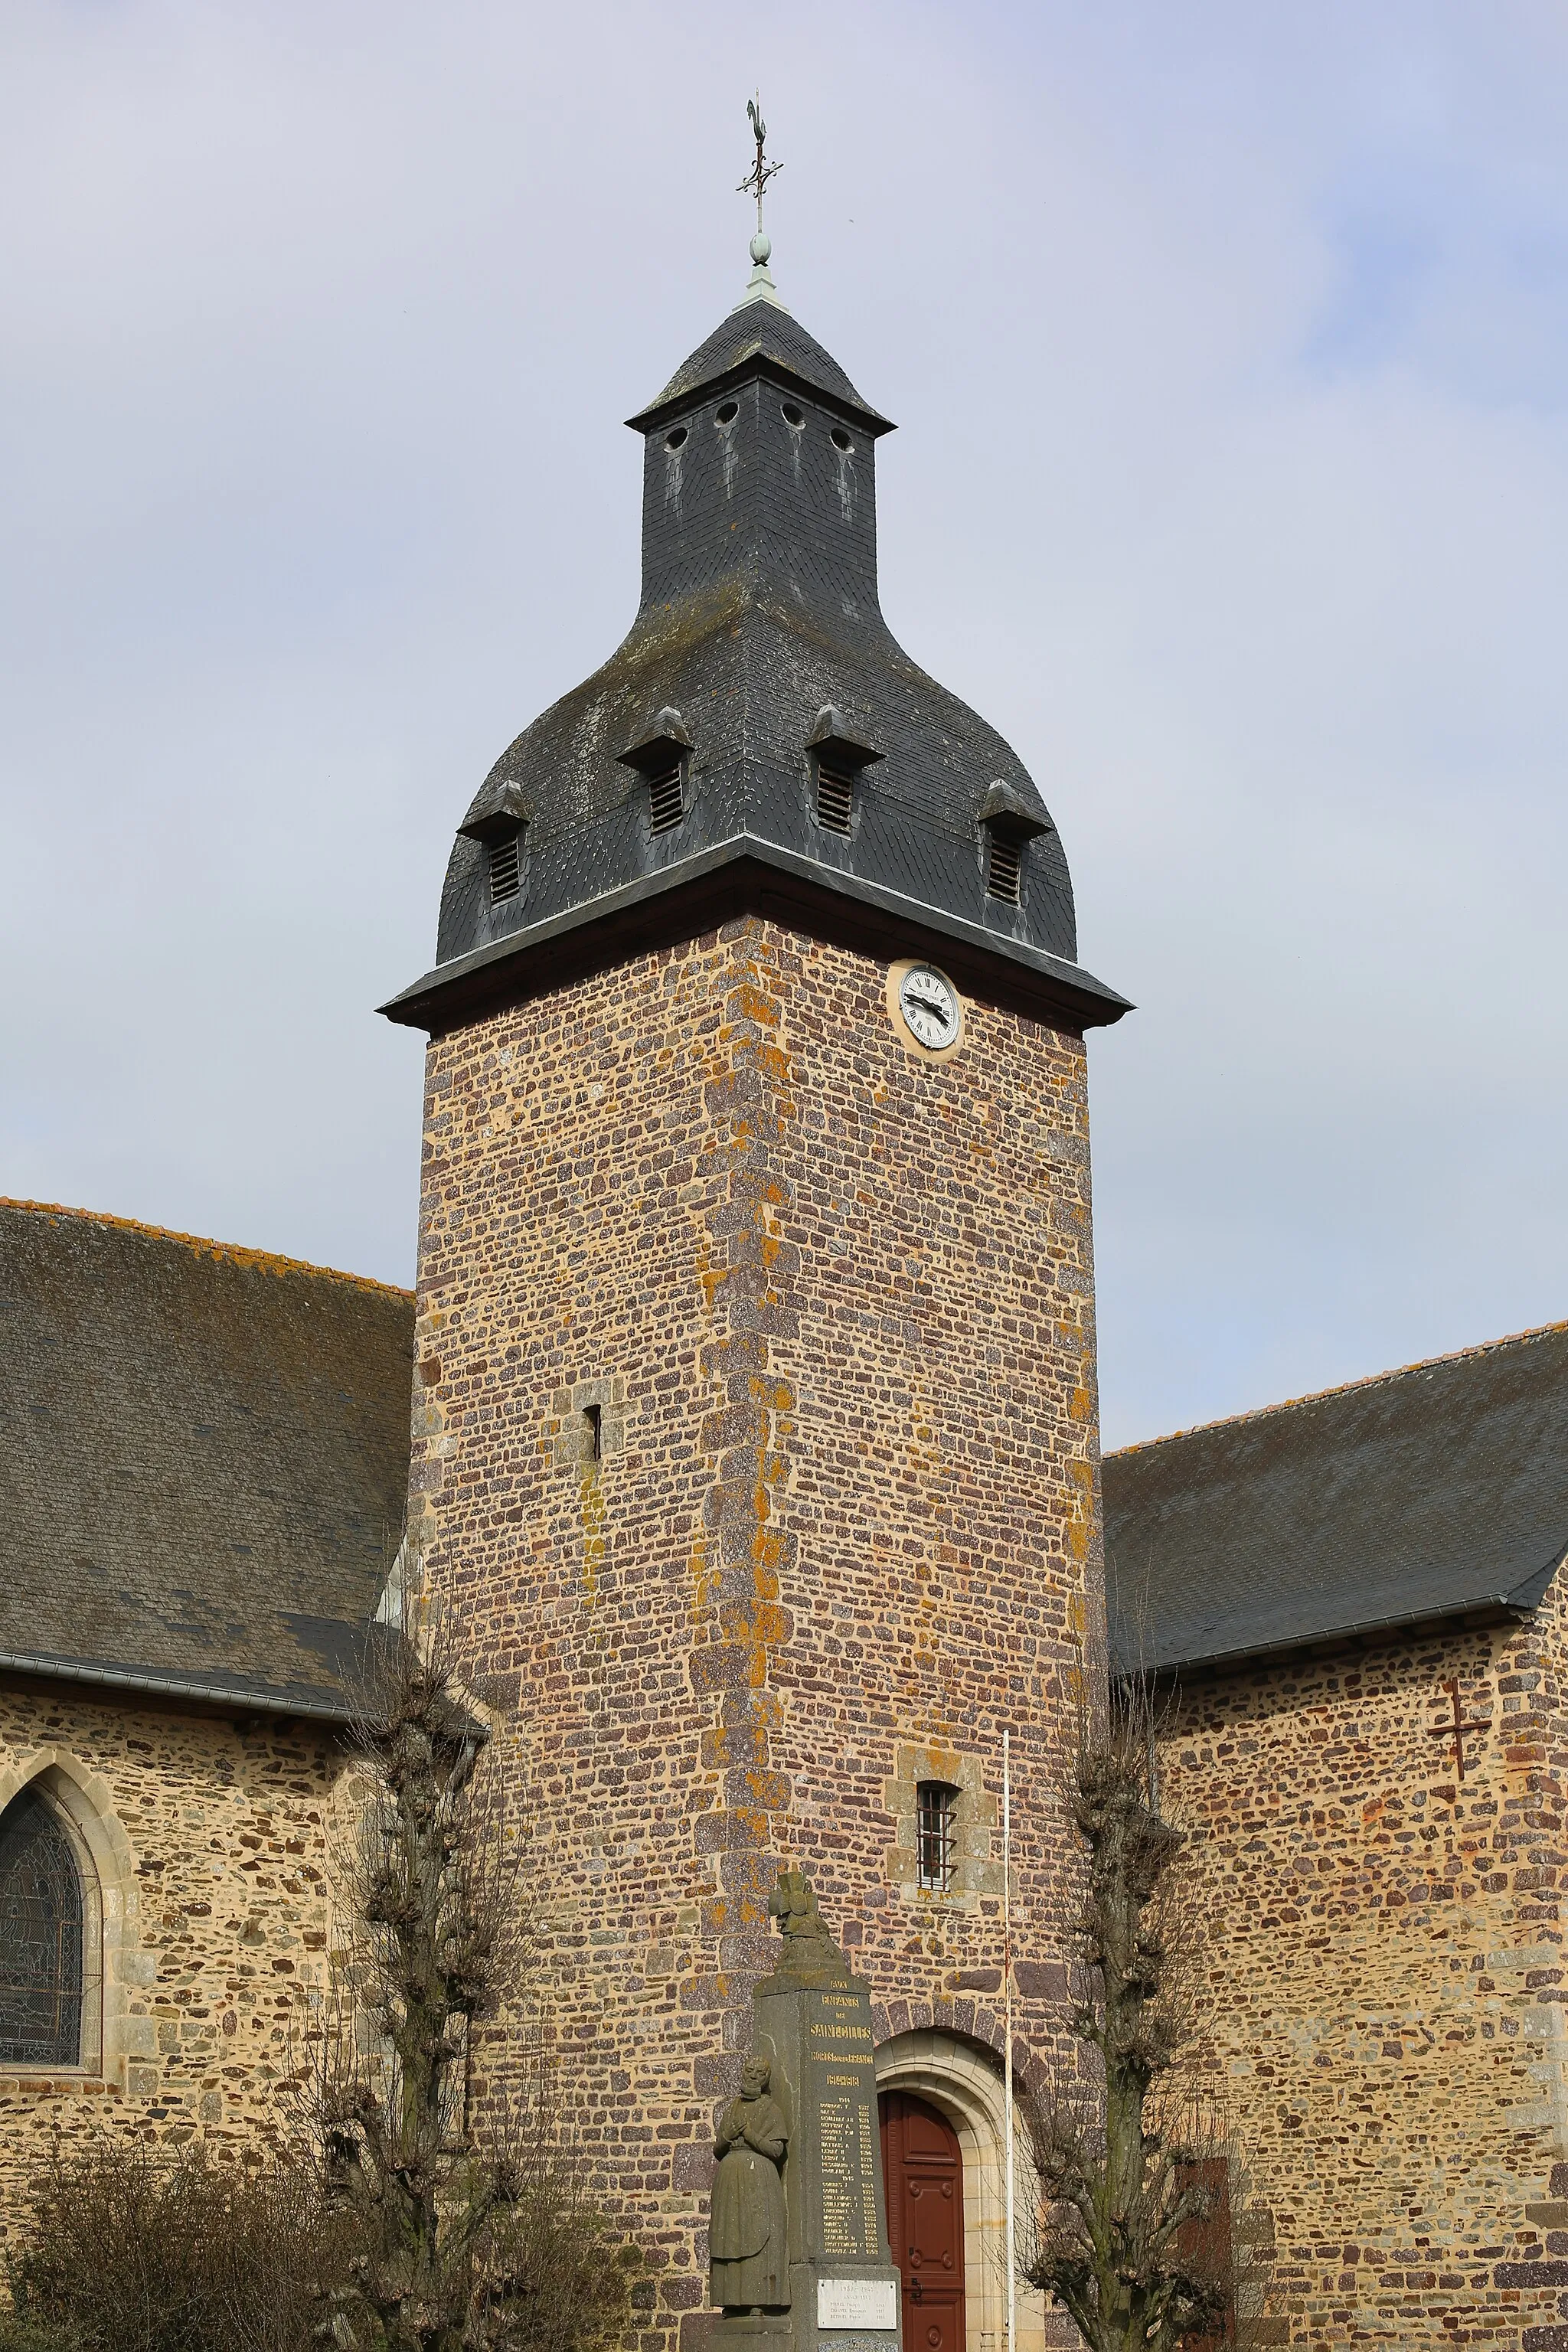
1229,351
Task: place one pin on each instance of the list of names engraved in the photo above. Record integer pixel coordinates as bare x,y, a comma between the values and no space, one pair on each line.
869,2154
845,2127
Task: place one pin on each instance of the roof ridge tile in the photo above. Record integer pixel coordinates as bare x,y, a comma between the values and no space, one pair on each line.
260,1261
1341,1388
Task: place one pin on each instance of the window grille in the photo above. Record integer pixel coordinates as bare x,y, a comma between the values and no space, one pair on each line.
936,1815
506,867
1004,871
41,1939
835,798
666,802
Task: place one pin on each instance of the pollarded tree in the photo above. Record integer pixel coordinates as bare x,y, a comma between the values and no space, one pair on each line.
1131,2236
462,2246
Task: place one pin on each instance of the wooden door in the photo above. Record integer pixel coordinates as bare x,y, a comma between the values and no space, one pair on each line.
922,2171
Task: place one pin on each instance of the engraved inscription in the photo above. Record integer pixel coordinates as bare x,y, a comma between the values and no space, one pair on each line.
843,2198
868,2157
857,2302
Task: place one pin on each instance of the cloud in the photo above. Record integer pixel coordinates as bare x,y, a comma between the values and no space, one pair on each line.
1233,484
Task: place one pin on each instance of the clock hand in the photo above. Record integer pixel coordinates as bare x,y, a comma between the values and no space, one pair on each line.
930,1004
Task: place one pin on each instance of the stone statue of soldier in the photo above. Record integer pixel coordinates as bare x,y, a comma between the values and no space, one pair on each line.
748,2248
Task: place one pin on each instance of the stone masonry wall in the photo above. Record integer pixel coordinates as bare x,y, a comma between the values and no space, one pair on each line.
825,1310
1384,1979
210,1845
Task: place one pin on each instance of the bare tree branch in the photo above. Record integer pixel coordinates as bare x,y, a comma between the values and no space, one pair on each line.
1131,2156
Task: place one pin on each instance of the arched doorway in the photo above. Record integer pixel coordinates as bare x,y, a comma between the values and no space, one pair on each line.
922,2171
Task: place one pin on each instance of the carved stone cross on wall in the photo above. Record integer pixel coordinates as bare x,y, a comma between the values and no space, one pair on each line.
1460,1729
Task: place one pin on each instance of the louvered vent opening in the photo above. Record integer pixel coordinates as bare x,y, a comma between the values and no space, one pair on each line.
664,800
835,798
1003,874
506,867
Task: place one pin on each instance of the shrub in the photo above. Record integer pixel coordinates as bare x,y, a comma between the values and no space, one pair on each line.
553,2276
127,2249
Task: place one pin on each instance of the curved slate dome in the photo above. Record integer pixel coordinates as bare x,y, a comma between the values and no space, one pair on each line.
680,782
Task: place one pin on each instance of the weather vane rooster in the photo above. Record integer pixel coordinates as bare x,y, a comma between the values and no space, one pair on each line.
756,180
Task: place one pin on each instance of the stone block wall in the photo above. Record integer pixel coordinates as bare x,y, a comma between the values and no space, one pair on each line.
208,1851
834,1306
1384,1979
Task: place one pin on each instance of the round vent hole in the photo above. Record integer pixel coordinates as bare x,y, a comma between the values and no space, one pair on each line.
674,440
728,414
792,416
841,439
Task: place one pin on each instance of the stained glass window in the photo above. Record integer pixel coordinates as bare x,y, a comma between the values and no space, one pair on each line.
40,1938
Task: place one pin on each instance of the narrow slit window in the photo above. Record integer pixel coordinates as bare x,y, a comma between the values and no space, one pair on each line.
936,1817
835,798
666,800
594,1414
1004,869
506,867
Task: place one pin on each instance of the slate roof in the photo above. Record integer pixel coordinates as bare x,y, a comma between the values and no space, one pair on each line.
759,623
766,331
1434,1492
207,1456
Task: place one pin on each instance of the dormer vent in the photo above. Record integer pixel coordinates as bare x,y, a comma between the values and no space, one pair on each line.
837,757
1010,816
662,756
505,854
666,799
500,829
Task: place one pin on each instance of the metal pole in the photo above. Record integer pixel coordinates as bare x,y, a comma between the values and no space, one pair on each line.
1007,2028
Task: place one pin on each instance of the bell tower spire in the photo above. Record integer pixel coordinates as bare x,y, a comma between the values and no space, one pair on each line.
754,1450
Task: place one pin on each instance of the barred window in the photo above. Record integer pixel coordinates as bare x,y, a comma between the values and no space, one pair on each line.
41,1937
936,1808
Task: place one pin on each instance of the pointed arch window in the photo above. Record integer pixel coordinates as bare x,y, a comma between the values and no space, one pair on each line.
42,1922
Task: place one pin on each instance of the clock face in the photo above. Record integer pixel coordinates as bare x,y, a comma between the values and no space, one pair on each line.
930,1005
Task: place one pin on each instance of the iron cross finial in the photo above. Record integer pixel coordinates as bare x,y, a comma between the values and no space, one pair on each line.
762,171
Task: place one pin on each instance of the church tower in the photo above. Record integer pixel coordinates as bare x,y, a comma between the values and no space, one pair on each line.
756,1447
